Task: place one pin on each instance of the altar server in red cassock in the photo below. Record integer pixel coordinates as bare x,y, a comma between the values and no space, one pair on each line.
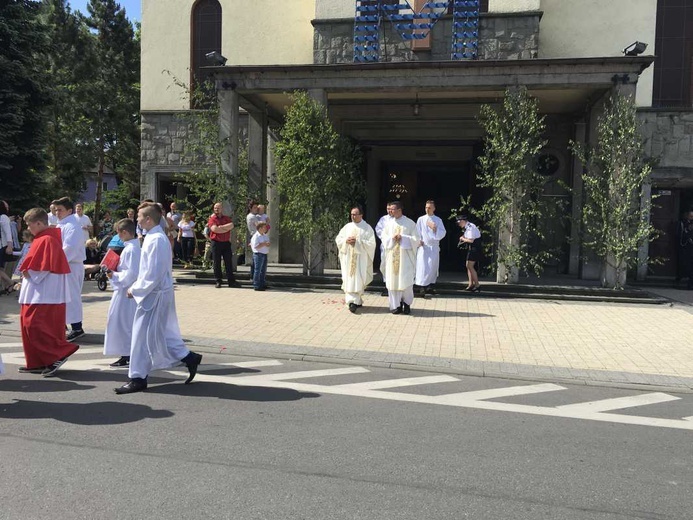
43,298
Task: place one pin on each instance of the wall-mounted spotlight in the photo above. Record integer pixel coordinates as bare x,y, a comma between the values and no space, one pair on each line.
635,49
416,106
215,58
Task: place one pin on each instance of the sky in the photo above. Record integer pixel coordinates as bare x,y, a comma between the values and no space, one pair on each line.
132,7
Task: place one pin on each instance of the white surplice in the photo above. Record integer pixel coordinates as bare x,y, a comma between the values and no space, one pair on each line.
156,339
428,255
399,261
356,260
379,233
121,312
74,248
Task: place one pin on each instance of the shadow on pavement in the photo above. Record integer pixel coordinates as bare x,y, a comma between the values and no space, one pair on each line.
40,385
232,392
425,313
92,298
90,414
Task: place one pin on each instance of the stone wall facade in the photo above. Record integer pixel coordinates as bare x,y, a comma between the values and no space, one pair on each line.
502,36
163,138
669,143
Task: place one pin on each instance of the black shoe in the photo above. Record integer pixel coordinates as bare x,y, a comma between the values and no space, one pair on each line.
53,367
218,285
234,283
74,334
259,288
192,360
124,361
136,384
430,290
353,307
26,370
398,310
476,289
406,309
384,293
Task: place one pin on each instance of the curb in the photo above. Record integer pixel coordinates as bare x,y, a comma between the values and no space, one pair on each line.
451,366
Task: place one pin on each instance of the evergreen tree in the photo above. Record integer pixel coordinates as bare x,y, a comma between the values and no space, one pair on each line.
113,92
23,99
70,62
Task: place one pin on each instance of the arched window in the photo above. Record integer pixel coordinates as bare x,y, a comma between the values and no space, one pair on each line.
206,37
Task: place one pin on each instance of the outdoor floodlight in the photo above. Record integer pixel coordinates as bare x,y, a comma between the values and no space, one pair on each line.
216,58
635,49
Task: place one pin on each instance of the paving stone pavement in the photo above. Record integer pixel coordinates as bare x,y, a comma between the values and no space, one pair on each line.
592,343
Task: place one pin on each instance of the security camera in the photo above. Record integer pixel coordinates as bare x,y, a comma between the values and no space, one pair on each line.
635,49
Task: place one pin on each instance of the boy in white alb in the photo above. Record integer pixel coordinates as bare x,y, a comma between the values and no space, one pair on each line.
156,339
121,312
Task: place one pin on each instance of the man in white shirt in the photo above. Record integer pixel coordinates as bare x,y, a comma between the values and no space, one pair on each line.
174,216
251,221
356,245
84,221
52,217
431,230
400,240
74,248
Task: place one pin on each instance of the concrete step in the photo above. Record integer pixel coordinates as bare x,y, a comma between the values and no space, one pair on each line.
490,290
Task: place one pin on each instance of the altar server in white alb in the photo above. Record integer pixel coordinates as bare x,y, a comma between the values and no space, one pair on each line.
400,241
356,245
431,230
75,251
121,313
156,339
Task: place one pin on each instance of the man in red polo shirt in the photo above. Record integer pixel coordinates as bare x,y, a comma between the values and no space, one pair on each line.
220,227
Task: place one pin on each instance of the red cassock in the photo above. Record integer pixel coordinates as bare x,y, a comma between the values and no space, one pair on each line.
43,324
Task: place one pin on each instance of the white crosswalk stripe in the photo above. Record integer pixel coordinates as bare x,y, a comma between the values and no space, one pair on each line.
474,399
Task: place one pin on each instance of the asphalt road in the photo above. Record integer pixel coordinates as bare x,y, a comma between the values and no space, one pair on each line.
303,448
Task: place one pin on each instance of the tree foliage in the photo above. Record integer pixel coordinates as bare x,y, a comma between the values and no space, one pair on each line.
205,152
318,176
515,208
614,220
23,102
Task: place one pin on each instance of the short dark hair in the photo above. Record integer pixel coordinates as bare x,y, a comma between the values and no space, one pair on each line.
65,202
397,204
36,215
151,210
431,202
127,225
4,208
358,207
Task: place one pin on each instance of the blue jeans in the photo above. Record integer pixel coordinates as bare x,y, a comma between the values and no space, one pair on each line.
260,261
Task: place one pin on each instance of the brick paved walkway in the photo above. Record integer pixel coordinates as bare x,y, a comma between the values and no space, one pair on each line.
581,342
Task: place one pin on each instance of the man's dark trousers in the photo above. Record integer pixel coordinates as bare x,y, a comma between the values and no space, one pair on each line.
222,250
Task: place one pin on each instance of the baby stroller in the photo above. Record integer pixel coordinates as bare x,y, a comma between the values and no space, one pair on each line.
109,242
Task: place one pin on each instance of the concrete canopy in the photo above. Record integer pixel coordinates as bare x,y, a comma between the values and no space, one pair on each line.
395,101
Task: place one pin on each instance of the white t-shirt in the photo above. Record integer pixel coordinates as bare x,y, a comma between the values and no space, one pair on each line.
187,229
84,221
471,231
52,219
258,239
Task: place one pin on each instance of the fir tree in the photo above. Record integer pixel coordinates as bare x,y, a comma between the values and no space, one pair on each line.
23,98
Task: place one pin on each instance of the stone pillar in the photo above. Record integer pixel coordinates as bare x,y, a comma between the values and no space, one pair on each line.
576,187
273,210
257,153
228,129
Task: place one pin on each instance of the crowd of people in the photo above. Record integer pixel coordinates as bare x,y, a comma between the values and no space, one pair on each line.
142,326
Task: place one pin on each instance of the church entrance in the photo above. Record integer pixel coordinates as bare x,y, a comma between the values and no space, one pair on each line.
414,183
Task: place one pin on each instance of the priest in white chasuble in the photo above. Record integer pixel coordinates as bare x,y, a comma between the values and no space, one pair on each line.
400,241
356,245
431,230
